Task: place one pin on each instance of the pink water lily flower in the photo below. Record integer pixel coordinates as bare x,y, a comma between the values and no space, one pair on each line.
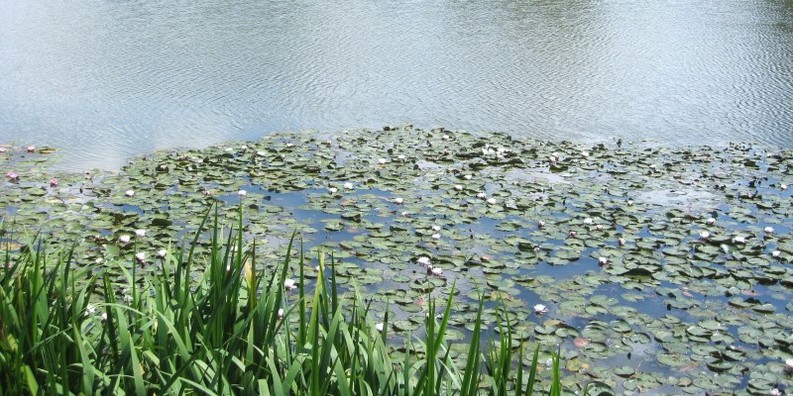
12,176
53,182
31,149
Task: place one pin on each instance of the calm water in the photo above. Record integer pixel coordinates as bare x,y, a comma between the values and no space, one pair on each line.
106,80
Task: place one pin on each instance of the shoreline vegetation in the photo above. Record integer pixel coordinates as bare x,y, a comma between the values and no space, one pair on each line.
622,268
229,330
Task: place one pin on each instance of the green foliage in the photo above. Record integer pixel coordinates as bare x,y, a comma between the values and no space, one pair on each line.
233,330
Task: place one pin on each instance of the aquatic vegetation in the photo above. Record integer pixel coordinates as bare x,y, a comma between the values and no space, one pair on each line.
682,234
229,330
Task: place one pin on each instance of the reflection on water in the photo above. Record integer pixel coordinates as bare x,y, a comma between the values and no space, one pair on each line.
108,80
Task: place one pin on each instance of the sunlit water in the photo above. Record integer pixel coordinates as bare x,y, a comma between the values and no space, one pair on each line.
107,80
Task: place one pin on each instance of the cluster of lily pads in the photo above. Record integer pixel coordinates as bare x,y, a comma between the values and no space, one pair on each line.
663,269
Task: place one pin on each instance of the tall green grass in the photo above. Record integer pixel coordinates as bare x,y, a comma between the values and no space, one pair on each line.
233,330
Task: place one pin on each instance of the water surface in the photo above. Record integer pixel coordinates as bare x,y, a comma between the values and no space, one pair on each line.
107,80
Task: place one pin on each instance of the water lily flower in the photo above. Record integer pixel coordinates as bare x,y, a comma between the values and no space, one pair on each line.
599,227
289,284
630,202
536,249
783,186
711,220
104,316
437,271
382,161
140,233
280,313
776,253
436,236
540,224
588,220
398,200
436,227
468,177
124,238
739,239
540,309
491,201
458,187
621,241
481,195
769,230
348,186
333,190
140,256
704,235
161,253
12,176
290,144
789,365
130,193
571,234
90,309
31,149
379,326
242,193
423,260
53,182
446,137
2,149
401,157
585,153
775,392
603,260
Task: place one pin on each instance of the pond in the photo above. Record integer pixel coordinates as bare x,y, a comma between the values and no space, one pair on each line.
109,80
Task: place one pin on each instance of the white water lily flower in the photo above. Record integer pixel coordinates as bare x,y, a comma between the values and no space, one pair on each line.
776,253
789,365
775,392
436,227
739,239
90,309
423,260
161,253
124,238
621,241
458,187
540,309
130,193
630,202
333,190
468,177
783,186
588,220
280,313
599,227
436,236
140,256
437,271
289,284
769,230
348,186
491,201
382,161
401,157
704,235
603,260
446,137
481,195
398,201
711,220
140,233
290,144
379,326
242,193
540,224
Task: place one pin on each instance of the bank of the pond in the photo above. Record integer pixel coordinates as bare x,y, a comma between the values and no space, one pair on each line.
656,269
